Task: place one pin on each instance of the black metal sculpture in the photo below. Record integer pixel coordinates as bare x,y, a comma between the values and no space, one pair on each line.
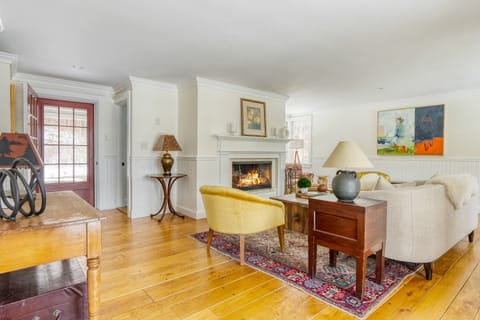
21,190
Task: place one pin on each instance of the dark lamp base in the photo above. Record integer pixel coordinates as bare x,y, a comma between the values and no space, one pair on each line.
346,186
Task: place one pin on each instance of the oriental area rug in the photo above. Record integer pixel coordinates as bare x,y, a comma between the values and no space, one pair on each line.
333,285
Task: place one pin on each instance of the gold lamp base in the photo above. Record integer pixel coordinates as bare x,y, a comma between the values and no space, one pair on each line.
167,163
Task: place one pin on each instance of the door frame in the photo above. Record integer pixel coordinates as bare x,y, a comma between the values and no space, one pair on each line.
91,172
123,101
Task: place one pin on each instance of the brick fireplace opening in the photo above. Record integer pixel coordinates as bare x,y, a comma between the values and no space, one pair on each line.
252,175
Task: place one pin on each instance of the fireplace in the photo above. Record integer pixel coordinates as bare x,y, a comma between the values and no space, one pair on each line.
252,175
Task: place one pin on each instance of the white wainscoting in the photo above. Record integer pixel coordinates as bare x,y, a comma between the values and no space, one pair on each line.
108,197
413,168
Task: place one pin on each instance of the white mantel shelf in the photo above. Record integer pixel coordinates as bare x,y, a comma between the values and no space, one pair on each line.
251,144
250,138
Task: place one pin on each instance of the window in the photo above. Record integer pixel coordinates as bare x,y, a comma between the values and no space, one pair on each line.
300,127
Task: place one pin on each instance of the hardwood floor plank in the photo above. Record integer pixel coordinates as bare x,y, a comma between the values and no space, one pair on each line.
467,302
210,298
438,299
247,297
123,304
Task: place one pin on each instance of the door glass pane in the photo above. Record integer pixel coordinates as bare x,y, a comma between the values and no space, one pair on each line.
50,134
81,173
66,173
66,135
81,136
50,154
80,154
66,154
80,118
51,173
66,116
50,115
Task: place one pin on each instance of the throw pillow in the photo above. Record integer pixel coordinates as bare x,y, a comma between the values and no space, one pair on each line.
368,182
384,184
405,184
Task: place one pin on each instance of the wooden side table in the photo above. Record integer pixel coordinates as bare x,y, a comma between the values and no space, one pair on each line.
296,212
68,228
167,182
356,228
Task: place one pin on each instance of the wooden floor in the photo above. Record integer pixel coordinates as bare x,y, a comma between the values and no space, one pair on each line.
154,270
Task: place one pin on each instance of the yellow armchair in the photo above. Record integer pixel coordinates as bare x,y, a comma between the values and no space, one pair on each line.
235,211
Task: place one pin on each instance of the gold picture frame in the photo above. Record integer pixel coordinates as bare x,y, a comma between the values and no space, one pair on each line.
253,118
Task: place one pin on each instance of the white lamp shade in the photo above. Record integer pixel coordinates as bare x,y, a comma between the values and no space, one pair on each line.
347,154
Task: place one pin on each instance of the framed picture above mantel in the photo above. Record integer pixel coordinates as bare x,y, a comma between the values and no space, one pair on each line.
411,131
253,118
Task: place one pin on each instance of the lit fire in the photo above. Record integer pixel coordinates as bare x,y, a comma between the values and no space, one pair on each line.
251,179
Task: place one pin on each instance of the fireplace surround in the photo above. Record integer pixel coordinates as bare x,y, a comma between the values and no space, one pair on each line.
234,149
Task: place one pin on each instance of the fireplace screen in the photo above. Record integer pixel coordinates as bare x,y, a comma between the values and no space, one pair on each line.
252,175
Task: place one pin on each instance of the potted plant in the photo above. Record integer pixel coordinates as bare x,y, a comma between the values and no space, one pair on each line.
304,183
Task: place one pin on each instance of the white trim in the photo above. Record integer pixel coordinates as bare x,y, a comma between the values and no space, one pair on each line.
122,87
49,84
11,59
152,83
202,82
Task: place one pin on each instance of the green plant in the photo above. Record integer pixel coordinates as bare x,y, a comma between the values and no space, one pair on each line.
304,183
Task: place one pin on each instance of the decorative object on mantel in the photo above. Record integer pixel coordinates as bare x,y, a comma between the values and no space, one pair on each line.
253,118
411,131
232,128
284,132
18,155
347,154
167,143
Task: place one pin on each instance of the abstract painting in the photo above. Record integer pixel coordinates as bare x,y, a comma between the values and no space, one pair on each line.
411,131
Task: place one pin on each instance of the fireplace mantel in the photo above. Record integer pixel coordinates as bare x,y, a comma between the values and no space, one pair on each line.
234,148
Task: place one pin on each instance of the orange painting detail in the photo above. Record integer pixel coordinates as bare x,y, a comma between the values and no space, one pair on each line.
430,147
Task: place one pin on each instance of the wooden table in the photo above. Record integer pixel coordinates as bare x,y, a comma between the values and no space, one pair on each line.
68,228
167,182
296,212
356,228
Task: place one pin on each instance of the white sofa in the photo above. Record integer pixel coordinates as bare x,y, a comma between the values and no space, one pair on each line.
423,222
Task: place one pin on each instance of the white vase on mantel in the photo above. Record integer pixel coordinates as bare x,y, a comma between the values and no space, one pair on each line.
284,133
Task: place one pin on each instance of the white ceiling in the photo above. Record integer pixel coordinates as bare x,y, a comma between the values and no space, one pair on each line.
320,53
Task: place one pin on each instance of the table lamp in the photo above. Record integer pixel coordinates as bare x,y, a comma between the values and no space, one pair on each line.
296,144
347,154
167,143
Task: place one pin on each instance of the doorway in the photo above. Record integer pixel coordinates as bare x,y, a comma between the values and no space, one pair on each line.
66,145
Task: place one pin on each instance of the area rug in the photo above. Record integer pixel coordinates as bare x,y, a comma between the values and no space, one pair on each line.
333,285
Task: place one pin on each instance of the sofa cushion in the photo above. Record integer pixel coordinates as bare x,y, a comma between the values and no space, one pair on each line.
383,184
368,182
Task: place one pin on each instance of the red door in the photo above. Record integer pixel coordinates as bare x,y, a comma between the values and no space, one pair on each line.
66,145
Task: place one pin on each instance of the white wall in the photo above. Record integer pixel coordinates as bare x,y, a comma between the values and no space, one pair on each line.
4,97
154,112
219,104
206,109
359,123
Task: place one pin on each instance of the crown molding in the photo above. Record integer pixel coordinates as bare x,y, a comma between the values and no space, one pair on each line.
50,83
202,82
9,58
152,83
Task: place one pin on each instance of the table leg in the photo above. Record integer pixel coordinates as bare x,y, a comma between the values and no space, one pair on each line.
170,205
380,266
333,257
361,274
93,285
312,257
163,208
